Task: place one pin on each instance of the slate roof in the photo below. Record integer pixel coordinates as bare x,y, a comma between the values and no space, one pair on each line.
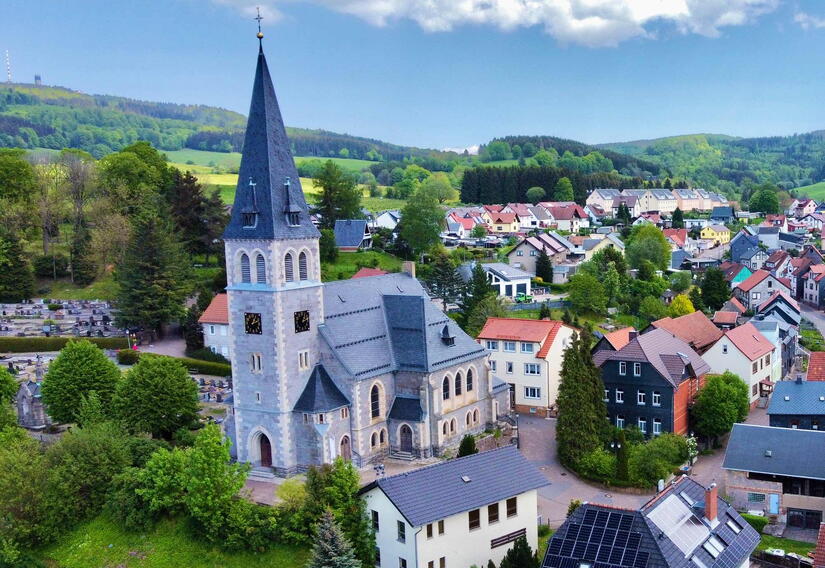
668,354
406,407
611,537
776,451
350,232
320,393
721,212
791,397
388,323
791,238
267,162
438,491
749,341
695,328
217,311
816,366
677,258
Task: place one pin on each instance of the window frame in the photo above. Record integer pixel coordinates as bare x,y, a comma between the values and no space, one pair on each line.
401,531
532,393
492,513
506,344
619,396
512,507
474,519
641,398
623,368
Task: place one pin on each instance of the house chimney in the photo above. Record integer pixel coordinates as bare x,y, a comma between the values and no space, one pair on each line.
711,502
408,267
799,379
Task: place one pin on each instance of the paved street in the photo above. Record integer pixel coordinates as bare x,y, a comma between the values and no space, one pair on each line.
814,316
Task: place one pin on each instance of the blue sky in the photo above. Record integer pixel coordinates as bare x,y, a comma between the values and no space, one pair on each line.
439,73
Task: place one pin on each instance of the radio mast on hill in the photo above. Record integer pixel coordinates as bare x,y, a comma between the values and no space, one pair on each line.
8,67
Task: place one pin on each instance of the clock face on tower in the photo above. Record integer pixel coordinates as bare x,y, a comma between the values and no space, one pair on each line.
301,321
252,323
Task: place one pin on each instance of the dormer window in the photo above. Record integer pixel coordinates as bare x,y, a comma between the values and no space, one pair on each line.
249,220
448,338
293,219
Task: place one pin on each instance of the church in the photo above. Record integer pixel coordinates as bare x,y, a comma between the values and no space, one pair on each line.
362,369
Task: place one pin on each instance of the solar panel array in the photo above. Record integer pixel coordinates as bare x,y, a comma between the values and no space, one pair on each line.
603,539
738,545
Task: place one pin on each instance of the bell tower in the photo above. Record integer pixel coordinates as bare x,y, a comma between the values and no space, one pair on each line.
273,285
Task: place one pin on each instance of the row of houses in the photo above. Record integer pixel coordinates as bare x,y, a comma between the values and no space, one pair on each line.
665,201
514,218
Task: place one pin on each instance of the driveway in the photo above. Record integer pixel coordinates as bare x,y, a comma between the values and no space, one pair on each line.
814,316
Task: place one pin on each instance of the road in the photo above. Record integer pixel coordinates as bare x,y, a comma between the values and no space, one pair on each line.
814,316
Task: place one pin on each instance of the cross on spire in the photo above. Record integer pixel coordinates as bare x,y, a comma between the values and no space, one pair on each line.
259,18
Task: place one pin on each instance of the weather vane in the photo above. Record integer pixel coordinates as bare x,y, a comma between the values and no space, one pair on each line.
259,18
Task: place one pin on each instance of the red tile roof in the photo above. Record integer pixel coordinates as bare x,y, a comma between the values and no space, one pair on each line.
620,337
753,280
678,236
819,551
217,311
725,318
731,269
818,270
567,212
774,296
695,329
749,341
503,218
816,366
465,222
777,256
737,305
514,329
365,272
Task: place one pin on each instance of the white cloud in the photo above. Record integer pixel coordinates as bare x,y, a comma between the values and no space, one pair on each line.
808,22
593,23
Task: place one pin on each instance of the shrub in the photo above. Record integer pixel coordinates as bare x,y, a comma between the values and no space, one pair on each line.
756,521
125,503
467,446
572,506
598,464
45,267
36,344
205,354
654,460
249,526
128,356
198,366
54,308
544,530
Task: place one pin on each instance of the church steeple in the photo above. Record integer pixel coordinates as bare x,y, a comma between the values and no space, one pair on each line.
269,201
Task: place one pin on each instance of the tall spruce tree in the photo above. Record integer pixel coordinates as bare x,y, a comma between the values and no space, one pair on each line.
475,291
715,291
187,205
520,556
544,266
153,279
678,220
444,281
16,276
331,548
581,427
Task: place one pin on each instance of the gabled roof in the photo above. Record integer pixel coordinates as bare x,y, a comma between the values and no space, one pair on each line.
447,488
731,269
520,209
668,354
365,272
798,398
718,228
678,236
540,213
817,271
776,451
734,305
749,341
350,232
754,279
721,211
778,295
503,271
217,311
503,218
267,163
620,337
816,366
777,257
566,212
467,222
320,394
629,200
725,318
694,328
532,331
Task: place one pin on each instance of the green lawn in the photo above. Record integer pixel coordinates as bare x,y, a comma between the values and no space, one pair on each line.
100,543
233,160
349,263
104,288
786,544
815,191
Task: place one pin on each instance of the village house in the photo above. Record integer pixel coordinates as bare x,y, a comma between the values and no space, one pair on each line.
801,207
783,306
722,214
352,235
798,404
813,286
650,382
718,234
614,340
629,201
725,320
743,351
758,287
525,253
777,263
503,223
527,354
694,328
527,220
777,471
387,220
603,198
567,216
215,325
460,512
813,221
777,220
816,366
508,281
768,237
683,525
735,272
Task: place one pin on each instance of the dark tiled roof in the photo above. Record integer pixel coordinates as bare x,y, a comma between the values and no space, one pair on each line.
350,232
807,397
438,491
320,394
776,451
406,408
721,211
267,162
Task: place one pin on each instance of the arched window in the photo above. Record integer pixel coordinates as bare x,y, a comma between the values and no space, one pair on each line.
475,416
445,388
469,418
288,268
246,271
452,426
469,380
383,437
375,401
373,440
444,428
458,383
260,267
302,266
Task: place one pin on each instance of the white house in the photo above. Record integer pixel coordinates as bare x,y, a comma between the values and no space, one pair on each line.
745,352
456,513
507,280
387,220
527,219
527,354
215,324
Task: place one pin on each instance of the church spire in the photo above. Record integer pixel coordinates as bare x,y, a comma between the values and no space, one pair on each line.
269,201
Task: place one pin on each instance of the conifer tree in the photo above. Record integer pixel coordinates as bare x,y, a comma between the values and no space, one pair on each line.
544,266
153,277
678,220
331,548
563,190
16,276
444,281
467,446
581,427
476,290
544,311
520,556
715,291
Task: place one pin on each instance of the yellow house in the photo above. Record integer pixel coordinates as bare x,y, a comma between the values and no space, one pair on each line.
504,223
716,233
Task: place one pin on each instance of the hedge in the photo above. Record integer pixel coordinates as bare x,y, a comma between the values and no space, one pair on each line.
755,521
42,344
203,367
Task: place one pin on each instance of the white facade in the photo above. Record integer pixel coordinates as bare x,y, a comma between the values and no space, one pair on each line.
218,339
450,542
725,356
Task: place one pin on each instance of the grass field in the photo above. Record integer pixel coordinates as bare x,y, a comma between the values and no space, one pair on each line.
786,544
815,191
349,263
233,160
100,543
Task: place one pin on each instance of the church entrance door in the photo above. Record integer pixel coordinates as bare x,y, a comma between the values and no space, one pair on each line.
346,450
266,451
406,439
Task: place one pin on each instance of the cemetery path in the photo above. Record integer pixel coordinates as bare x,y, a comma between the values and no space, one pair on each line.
173,346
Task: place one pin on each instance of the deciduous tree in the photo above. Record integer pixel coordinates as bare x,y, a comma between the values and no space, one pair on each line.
563,190
647,242
422,220
719,405
491,306
681,306
535,194
587,294
340,197
438,184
